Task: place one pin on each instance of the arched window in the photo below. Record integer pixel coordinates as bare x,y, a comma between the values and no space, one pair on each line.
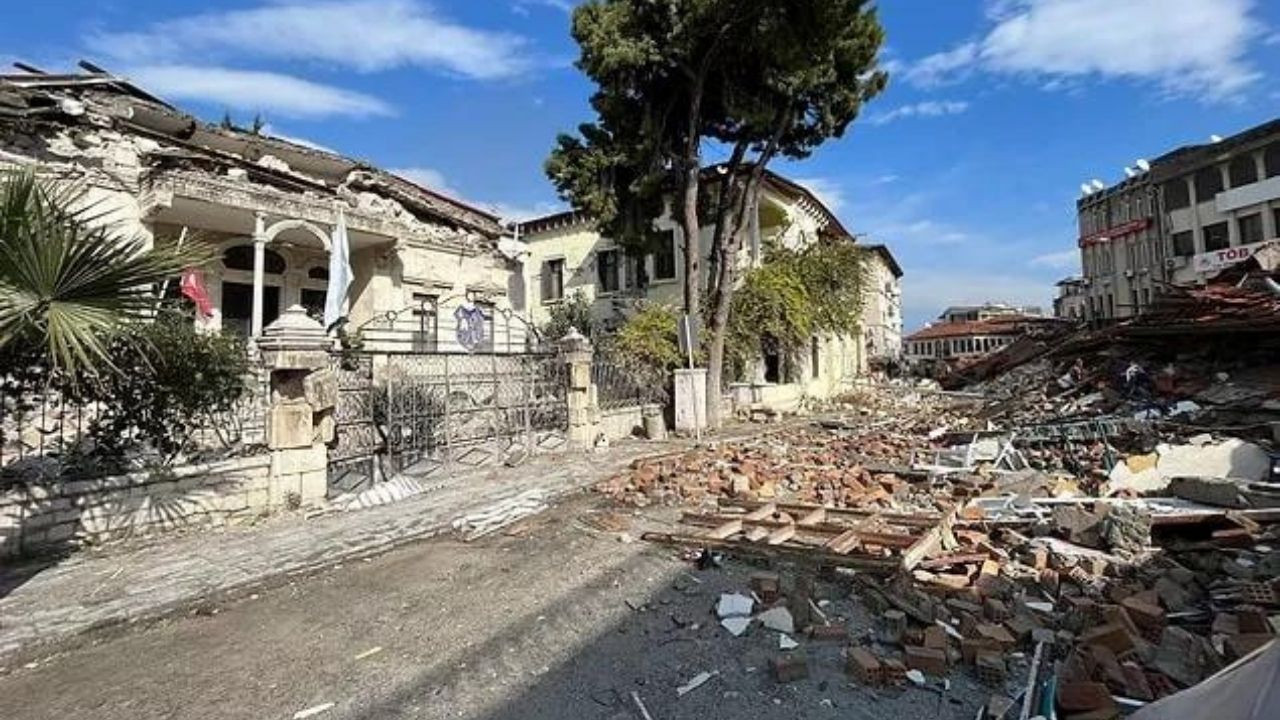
318,273
240,257
1271,159
1208,183
1242,171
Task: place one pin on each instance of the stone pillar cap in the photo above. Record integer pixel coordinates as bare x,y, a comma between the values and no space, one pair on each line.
294,330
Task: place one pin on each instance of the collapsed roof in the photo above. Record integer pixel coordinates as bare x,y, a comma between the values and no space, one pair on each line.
38,104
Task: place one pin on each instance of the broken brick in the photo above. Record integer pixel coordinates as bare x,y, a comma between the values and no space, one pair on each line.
1081,697
789,667
1112,636
863,667
990,668
766,585
839,632
927,660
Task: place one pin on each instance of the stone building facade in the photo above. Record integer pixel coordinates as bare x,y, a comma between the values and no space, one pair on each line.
566,255
270,208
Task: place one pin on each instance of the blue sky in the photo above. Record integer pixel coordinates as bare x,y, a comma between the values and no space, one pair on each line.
967,167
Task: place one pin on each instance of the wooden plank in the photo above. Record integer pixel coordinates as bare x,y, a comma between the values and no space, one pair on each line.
764,512
843,542
949,560
781,535
916,520
929,544
813,517
757,533
726,530
868,563
887,539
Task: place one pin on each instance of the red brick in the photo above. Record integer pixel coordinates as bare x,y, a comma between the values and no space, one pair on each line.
1145,615
766,585
1252,620
998,633
864,667
970,647
1136,685
1112,636
935,637
990,668
893,672
927,660
838,632
1237,646
1079,697
789,667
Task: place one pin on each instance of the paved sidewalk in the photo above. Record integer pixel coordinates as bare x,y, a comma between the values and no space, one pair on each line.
101,588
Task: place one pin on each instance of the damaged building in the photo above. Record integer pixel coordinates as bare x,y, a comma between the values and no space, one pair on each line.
569,256
269,207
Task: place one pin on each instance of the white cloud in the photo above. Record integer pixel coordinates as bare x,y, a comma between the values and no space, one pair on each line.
521,7
885,179
1186,47
366,35
1065,260
928,108
271,130
256,91
943,67
429,178
828,191
516,212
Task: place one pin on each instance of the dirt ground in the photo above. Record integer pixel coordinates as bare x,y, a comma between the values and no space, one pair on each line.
553,618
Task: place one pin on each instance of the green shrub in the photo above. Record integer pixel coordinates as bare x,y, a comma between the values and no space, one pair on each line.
172,381
647,340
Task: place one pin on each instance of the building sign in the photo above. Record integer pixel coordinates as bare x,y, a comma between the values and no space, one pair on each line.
1216,260
1123,229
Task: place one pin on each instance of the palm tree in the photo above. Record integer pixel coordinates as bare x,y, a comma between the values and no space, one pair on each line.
70,280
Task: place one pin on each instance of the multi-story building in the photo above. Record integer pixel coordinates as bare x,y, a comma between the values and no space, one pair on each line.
1220,201
1072,300
1121,249
987,311
882,306
1179,219
567,255
967,332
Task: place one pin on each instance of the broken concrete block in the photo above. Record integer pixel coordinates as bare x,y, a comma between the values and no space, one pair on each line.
778,618
734,605
766,585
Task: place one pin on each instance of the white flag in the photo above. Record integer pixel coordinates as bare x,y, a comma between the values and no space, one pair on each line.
339,274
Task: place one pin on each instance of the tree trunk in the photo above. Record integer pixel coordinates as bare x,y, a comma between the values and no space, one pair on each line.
692,238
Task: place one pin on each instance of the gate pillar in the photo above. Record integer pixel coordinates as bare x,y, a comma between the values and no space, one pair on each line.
576,353
304,390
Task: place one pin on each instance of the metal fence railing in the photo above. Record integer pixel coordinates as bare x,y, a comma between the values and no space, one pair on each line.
625,386
49,436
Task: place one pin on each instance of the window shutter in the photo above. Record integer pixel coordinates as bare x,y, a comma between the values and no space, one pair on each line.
546,281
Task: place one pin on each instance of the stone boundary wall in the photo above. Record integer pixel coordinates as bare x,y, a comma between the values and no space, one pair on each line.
624,422
38,519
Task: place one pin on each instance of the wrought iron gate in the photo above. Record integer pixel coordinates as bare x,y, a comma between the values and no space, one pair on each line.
431,414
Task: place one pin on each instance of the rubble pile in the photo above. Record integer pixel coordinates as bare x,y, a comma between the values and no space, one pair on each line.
1088,528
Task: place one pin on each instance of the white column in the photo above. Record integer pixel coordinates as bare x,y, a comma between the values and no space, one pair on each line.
259,263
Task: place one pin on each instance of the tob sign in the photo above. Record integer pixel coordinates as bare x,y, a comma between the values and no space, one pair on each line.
1218,259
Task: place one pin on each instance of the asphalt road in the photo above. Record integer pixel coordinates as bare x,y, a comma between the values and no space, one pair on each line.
554,620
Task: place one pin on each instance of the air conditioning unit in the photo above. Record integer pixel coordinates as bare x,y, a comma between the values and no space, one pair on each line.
1128,273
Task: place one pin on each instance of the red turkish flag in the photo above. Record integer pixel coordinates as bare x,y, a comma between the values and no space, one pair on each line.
192,286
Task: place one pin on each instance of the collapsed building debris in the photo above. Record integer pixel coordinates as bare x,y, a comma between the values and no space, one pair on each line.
1081,539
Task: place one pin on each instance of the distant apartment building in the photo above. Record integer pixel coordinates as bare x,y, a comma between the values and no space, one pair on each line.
1072,299
968,332
987,311
1179,219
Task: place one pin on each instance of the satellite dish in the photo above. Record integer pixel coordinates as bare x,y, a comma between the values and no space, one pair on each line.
1085,189
1215,138
1143,165
1097,184
1130,172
